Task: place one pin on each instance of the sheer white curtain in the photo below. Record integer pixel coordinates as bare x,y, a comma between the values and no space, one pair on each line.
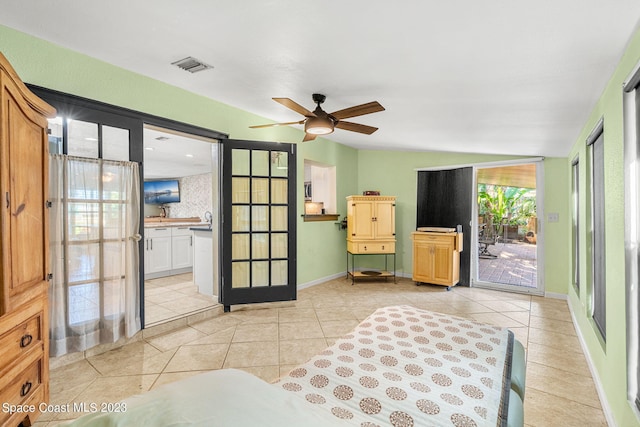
94,223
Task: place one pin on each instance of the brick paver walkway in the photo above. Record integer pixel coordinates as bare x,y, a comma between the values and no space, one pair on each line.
515,264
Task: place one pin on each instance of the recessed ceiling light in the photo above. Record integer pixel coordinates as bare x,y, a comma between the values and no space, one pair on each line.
148,148
91,139
188,155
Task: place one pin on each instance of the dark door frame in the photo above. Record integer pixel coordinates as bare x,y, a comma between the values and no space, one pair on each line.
88,109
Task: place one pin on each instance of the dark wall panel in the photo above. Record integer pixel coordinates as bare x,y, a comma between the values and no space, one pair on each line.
445,200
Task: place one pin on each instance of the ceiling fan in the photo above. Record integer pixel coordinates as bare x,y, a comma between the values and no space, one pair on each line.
320,122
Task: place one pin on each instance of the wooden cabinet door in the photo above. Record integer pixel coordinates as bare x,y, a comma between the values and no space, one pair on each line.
385,219
442,262
361,224
24,196
423,262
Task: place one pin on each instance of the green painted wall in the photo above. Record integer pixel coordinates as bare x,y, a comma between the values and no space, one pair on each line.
322,245
394,173
609,358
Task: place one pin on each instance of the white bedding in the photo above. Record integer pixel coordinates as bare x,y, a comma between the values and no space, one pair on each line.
225,398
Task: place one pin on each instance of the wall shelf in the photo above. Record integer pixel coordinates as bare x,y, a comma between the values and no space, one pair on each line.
321,217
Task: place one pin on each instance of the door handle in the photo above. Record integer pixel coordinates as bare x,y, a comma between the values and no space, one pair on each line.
136,237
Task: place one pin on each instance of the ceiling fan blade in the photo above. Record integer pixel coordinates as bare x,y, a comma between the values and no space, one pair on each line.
294,106
309,137
356,127
277,124
358,110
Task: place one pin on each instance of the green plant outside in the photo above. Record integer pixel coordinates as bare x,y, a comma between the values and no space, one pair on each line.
503,205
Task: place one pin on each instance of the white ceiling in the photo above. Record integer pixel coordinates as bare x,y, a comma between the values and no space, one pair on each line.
169,154
492,76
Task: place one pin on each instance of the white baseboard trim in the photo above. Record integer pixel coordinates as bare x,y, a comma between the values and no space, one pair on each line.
556,296
337,276
606,408
321,280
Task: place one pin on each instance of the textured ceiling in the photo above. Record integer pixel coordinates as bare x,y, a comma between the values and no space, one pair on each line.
496,76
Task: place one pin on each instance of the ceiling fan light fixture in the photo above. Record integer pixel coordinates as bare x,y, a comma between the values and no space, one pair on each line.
318,125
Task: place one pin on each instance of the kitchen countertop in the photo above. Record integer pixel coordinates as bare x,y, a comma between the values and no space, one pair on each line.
173,224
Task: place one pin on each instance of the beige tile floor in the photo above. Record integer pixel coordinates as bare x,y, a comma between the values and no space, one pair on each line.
268,339
172,297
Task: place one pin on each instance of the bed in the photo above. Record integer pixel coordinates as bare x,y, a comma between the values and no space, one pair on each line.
401,366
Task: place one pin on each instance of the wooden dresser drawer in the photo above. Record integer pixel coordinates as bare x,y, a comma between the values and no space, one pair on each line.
433,237
21,387
372,247
30,410
20,339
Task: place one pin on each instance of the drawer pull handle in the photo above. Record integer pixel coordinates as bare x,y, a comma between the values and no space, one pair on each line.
25,340
26,388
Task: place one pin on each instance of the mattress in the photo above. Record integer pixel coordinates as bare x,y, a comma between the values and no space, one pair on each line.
403,366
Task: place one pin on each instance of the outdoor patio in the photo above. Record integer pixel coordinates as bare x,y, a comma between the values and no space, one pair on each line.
514,264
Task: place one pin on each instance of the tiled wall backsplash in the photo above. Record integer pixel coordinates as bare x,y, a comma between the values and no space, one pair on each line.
195,198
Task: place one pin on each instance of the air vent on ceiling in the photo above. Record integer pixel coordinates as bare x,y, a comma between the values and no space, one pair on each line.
191,64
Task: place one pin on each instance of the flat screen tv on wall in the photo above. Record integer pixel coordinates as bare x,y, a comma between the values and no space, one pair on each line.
161,192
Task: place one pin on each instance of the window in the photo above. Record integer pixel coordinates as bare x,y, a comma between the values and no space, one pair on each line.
632,230
575,223
595,149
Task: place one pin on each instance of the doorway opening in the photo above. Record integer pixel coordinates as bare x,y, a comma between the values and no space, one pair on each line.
181,199
508,235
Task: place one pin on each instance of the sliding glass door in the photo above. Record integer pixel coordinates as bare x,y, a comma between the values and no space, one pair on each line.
508,233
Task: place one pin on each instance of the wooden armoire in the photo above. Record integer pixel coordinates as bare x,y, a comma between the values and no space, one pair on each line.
24,247
371,230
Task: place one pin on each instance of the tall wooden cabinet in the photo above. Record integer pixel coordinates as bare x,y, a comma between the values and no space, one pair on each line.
436,257
371,230
24,244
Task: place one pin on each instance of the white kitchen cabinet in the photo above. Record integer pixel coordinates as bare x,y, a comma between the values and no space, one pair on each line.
203,261
157,251
181,248
168,251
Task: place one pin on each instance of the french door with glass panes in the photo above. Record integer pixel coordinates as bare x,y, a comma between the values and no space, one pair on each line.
259,224
95,224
